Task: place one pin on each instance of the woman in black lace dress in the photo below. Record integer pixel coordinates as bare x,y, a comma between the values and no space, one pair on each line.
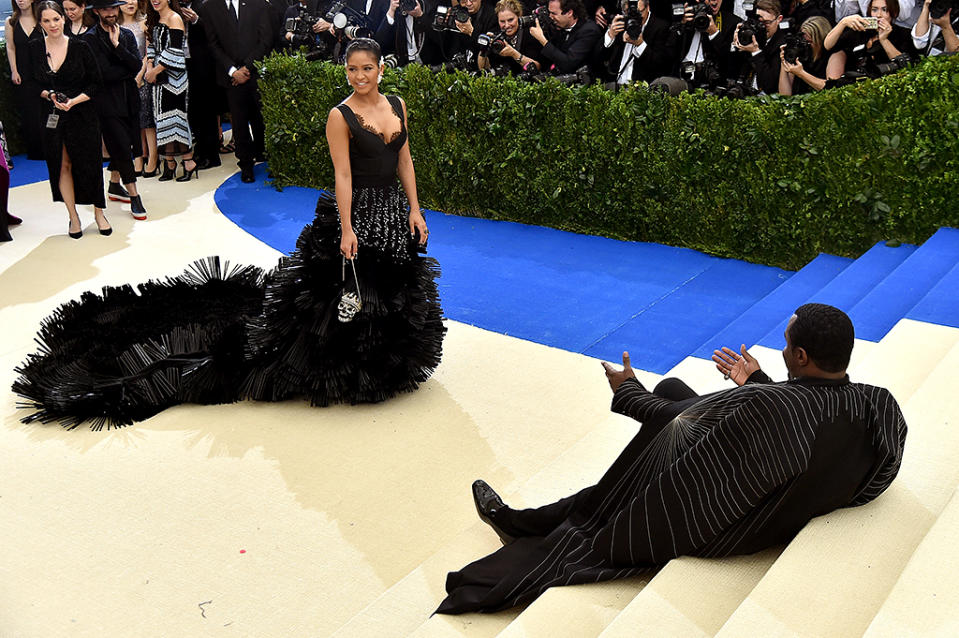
312,327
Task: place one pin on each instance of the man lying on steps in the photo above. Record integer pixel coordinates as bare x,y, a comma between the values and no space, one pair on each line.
731,472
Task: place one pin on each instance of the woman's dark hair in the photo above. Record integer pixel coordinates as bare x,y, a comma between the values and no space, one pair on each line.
364,44
38,9
825,333
892,6
87,16
17,13
153,17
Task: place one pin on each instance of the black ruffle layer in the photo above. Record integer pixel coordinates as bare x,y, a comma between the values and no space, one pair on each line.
217,334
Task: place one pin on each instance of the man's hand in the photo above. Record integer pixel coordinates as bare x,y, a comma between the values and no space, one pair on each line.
394,5
241,76
600,17
188,13
617,26
321,25
616,377
537,32
417,12
638,41
734,366
465,28
752,47
114,32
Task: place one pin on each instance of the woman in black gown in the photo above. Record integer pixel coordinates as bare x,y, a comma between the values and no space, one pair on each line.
20,29
215,334
67,76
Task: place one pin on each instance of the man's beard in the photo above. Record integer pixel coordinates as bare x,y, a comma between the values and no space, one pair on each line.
109,21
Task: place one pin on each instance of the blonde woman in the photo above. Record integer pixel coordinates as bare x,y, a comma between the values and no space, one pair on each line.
796,78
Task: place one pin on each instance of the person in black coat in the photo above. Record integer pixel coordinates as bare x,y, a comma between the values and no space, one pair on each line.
516,51
647,57
403,34
206,95
574,40
240,33
763,63
713,43
117,103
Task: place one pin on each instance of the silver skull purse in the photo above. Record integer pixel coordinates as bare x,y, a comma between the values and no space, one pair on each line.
350,302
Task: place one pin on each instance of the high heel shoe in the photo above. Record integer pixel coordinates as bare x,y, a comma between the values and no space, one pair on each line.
188,174
168,172
75,235
153,173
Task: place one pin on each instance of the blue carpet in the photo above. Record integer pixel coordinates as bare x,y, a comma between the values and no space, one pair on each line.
850,286
26,171
576,292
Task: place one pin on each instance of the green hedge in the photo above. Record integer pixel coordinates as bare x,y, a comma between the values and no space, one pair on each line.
773,180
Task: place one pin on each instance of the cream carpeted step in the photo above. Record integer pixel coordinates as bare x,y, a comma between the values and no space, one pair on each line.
407,604
691,597
925,599
834,576
580,610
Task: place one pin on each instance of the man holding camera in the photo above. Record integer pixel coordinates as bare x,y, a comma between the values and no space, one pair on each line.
707,34
481,18
941,37
572,38
763,62
403,31
320,31
637,45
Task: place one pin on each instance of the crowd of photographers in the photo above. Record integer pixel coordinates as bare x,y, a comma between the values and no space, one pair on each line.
729,47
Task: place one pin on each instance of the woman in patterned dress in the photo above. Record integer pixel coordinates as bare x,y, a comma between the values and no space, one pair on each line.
166,71
133,17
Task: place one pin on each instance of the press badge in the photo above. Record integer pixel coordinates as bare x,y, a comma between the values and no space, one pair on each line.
52,120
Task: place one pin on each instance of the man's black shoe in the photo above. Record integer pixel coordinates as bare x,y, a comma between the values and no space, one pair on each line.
206,163
117,193
487,504
246,175
260,158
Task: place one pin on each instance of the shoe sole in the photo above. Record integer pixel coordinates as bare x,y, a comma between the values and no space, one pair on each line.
138,217
117,198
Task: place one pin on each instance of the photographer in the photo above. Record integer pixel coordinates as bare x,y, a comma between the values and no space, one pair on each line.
320,33
403,31
941,38
572,38
857,45
707,30
763,60
637,45
513,48
481,19
806,72
906,16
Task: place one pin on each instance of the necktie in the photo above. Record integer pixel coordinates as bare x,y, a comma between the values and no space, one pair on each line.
233,11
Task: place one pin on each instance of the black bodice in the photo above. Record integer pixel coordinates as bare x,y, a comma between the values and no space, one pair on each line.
373,160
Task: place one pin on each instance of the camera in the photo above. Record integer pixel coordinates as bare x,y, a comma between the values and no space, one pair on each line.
447,17
541,13
350,23
487,42
406,6
302,29
633,19
750,29
896,64
525,22
700,74
59,96
797,49
702,16
938,8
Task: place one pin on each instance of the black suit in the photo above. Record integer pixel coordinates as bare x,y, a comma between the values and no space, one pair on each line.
570,50
656,59
236,45
206,95
118,101
393,38
716,49
764,66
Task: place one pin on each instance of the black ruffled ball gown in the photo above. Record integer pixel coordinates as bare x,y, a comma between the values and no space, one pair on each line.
217,334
